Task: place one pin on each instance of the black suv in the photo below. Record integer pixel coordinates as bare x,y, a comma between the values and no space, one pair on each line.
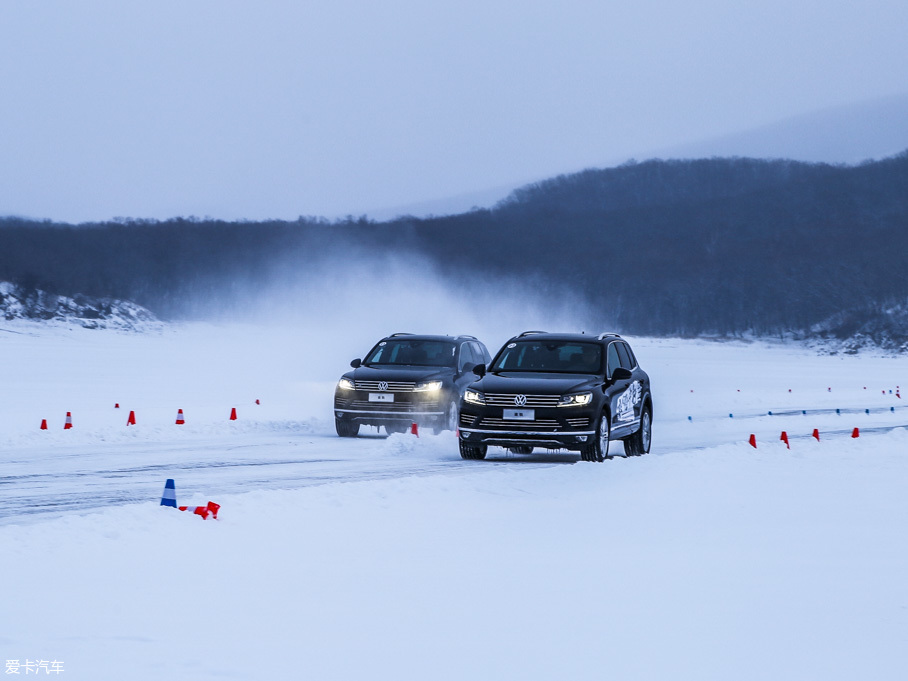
558,391
407,379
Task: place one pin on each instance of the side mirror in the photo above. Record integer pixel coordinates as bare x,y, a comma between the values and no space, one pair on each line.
468,367
356,363
621,374
480,370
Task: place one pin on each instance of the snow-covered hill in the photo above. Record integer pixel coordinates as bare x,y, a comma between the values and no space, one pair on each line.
18,303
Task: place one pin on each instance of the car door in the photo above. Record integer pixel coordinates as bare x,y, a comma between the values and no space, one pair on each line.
464,375
620,397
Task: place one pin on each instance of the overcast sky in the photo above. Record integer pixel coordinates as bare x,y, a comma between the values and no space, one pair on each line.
284,108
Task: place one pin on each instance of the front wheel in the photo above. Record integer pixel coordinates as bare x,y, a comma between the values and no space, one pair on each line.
597,450
473,452
346,428
638,444
452,413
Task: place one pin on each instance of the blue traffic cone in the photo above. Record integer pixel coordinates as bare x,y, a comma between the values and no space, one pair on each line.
170,494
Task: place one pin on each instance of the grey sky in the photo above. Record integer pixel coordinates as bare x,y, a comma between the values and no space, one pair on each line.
279,109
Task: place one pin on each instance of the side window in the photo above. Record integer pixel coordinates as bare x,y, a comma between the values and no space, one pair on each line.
614,360
466,356
627,359
481,354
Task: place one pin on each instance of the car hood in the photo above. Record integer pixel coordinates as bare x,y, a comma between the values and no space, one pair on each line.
399,373
536,384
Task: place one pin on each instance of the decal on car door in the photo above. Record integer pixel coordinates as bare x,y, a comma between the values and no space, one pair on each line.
624,408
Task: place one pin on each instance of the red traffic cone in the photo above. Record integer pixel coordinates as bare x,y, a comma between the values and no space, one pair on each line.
856,432
204,511
753,440
131,421
233,414
414,429
258,402
69,421
180,419
117,405
816,434
43,424
784,438
213,509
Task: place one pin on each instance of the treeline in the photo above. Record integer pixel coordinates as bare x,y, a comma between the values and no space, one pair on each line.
661,247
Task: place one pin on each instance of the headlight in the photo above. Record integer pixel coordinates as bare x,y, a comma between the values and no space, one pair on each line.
346,384
474,397
578,400
427,386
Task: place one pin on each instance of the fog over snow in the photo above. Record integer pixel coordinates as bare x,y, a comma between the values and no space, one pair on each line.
279,109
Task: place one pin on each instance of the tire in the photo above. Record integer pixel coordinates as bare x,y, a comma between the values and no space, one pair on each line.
639,443
346,428
597,450
523,449
473,452
452,413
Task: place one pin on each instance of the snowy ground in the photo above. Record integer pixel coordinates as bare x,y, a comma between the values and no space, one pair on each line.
391,558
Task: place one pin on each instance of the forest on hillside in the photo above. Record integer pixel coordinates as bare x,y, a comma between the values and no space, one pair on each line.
685,247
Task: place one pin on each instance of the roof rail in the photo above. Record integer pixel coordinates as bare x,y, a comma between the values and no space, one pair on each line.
603,336
393,335
464,335
530,333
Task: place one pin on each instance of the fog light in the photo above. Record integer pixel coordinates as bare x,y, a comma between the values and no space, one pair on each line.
581,438
466,436
338,414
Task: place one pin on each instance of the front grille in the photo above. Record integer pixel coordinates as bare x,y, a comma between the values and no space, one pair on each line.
519,425
507,400
393,386
578,423
382,406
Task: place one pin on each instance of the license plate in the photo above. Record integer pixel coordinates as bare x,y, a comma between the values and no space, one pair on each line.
381,397
520,414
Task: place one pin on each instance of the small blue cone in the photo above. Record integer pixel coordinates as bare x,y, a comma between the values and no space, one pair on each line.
731,416
838,411
892,409
170,494
690,418
770,413
866,411
804,412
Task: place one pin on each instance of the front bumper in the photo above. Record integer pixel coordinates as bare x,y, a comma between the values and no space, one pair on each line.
558,428
406,408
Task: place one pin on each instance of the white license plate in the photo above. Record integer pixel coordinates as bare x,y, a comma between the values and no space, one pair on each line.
381,397
520,414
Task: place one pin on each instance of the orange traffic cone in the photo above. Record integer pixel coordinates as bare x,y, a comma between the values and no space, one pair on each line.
180,419
69,421
131,421
233,414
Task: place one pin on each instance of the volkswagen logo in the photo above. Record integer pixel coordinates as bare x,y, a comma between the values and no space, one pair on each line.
382,385
520,400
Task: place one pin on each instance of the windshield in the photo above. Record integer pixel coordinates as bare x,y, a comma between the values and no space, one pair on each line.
410,351
563,357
